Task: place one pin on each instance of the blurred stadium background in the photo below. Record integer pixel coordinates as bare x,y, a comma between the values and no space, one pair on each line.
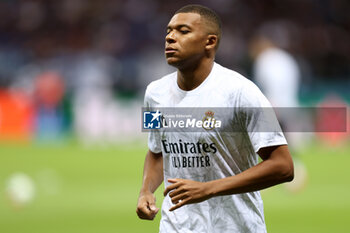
72,79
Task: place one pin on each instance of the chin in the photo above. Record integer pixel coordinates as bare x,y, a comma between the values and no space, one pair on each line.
173,61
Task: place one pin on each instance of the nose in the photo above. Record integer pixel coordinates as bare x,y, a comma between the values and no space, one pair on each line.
170,37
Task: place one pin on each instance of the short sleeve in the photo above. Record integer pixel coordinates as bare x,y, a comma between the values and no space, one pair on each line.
154,140
258,119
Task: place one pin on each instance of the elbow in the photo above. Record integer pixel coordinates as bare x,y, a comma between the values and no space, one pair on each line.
283,171
287,173
289,177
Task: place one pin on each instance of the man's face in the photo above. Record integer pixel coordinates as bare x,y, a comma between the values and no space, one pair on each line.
185,40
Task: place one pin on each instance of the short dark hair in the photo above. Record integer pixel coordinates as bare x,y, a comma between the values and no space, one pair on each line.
207,13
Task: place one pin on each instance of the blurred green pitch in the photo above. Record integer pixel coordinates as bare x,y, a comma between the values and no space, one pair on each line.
96,191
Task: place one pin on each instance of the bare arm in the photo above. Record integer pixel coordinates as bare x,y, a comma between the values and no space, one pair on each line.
152,179
276,168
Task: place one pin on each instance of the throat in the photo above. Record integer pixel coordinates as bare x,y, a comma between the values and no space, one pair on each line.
188,80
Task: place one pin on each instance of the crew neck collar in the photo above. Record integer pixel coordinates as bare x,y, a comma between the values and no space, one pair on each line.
197,89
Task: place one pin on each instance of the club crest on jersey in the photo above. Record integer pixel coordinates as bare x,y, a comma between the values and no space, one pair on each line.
209,121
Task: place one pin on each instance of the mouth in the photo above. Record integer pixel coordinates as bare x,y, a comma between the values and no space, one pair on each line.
169,50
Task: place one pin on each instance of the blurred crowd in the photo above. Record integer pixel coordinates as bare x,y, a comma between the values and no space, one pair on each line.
108,49
122,35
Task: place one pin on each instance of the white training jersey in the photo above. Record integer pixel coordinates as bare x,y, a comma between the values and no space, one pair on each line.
212,155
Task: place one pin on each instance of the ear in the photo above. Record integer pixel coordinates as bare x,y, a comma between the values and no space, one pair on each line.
212,41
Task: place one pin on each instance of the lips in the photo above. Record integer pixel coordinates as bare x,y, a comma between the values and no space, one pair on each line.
170,50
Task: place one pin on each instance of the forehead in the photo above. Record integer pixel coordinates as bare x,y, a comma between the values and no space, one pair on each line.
190,19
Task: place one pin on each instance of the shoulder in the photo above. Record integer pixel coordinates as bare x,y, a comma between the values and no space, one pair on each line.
274,54
159,89
161,85
233,81
275,58
240,89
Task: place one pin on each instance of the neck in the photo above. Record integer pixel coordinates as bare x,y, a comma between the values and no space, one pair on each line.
191,77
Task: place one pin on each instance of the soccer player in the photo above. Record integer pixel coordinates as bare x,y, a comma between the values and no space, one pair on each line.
213,185
277,73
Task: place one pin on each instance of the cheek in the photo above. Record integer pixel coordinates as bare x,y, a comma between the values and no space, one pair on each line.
194,44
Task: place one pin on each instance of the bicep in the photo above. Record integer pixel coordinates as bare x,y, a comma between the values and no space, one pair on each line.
155,155
280,153
279,160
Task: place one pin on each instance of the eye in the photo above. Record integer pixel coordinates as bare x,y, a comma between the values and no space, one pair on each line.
184,31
